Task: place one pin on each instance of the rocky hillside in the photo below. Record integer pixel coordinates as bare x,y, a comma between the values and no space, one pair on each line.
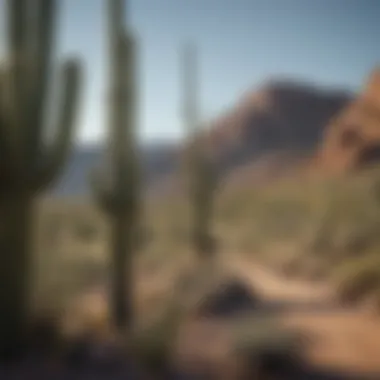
352,140
272,131
264,134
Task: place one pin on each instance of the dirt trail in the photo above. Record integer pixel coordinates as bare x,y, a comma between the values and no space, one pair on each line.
341,339
344,343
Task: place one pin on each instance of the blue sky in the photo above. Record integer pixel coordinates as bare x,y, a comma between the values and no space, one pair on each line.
242,43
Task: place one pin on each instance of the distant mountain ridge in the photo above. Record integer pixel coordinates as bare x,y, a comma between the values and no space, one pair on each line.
157,160
264,133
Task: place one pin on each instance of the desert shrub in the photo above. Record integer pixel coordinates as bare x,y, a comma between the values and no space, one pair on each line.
358,278
86,231
68,277
153,344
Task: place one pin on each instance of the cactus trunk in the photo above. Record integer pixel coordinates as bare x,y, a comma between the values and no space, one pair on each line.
116,189
29,163
121,298
15,270
201,177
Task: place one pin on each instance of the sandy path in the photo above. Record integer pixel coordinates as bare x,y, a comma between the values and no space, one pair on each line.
345,339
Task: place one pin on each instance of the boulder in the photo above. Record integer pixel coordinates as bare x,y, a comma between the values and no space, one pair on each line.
229,298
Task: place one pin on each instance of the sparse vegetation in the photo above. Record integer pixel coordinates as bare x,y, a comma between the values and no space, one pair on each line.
358,278
330,223
88,273
333,231
312,228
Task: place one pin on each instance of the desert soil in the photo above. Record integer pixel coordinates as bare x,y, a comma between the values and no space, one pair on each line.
343,343
341,339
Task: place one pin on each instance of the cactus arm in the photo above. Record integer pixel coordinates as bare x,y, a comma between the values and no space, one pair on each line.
17,33
17,49
17,10
17,15
14,80
6,167
5,147
9,153
5,158
190,106
128,166
43,38
52,163
120,114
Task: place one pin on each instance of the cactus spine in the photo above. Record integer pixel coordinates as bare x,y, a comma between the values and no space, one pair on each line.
202,178
28,163
117,192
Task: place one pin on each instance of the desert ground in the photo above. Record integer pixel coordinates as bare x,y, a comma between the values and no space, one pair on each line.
295,251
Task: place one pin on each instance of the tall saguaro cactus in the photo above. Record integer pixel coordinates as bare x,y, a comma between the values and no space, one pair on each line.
201,176
28,161
117,190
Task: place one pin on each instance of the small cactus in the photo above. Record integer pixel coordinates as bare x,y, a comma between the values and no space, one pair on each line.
28,162
202,179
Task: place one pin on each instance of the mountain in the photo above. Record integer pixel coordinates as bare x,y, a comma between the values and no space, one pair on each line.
282,117
270,132
263,134
157,160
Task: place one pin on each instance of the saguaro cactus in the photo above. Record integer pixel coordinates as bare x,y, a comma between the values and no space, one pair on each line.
201,176
29,162
117,190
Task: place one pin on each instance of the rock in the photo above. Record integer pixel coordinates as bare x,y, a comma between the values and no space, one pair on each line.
229,298
352,140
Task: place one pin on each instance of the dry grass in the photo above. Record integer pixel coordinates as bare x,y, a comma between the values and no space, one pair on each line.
359,278
306,228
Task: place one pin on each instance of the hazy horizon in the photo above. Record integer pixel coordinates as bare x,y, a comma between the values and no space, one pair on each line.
242,43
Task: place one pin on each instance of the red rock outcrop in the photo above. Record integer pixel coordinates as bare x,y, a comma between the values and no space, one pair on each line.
352,140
